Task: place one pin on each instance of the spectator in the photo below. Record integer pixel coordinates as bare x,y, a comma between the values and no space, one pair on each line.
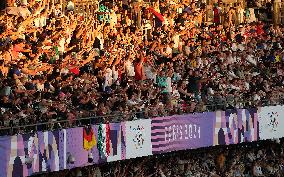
57,65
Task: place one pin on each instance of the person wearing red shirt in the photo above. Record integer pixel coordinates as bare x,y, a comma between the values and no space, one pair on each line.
139,69
259,29
19,47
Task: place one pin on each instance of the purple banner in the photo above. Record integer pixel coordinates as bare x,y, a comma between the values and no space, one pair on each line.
41,147
236,126
182,132
5,151
74,147
49,151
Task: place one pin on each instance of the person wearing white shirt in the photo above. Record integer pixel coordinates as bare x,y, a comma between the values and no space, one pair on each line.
108,78
70,6
257,170
101,39
113,19
176,40
40,87
234,47
240,14
175,93
42,21
251,156
64,71
129,68
252,16
169,51
256,97
241,47
149,72
37,21
230,58
114,74
169,85
251,60
233,87
199,62
61,43
265,46
246,86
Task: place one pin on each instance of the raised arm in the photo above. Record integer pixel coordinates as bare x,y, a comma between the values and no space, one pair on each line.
90,58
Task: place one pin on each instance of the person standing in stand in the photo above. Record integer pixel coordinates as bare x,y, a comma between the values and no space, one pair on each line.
240,14
216,13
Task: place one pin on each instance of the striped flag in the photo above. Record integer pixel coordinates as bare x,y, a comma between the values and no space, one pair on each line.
89,140
115,142
104,140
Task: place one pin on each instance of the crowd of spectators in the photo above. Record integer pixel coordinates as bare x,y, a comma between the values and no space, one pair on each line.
56,64
258,159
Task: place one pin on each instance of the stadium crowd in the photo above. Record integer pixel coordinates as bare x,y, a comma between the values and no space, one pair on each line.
258,159
59,65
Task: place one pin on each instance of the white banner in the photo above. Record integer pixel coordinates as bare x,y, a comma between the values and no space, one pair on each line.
138,138
271,122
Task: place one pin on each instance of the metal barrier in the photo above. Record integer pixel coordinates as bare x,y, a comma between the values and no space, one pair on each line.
186,109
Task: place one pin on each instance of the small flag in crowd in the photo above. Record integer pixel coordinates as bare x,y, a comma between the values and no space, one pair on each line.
89,140
104,140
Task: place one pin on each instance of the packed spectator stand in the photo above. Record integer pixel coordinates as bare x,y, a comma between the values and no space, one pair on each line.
57,65
60,68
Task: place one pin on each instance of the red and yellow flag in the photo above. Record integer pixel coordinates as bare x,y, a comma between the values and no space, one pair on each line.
89,140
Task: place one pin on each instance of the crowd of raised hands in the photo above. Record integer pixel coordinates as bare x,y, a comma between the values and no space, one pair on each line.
59,65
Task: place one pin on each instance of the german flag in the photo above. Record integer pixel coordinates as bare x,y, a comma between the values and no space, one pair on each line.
89,140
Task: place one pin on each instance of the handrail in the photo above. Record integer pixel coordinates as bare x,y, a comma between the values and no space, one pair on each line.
60,124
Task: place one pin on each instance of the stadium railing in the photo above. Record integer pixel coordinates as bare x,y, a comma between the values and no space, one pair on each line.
13,129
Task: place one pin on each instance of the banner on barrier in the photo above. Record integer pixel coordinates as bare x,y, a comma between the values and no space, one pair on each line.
74,146
41,147
182,132
138,138
115,135
5,151
49,150
271,122
236,126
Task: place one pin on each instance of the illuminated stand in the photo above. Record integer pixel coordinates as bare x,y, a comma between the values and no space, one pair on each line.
278,17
